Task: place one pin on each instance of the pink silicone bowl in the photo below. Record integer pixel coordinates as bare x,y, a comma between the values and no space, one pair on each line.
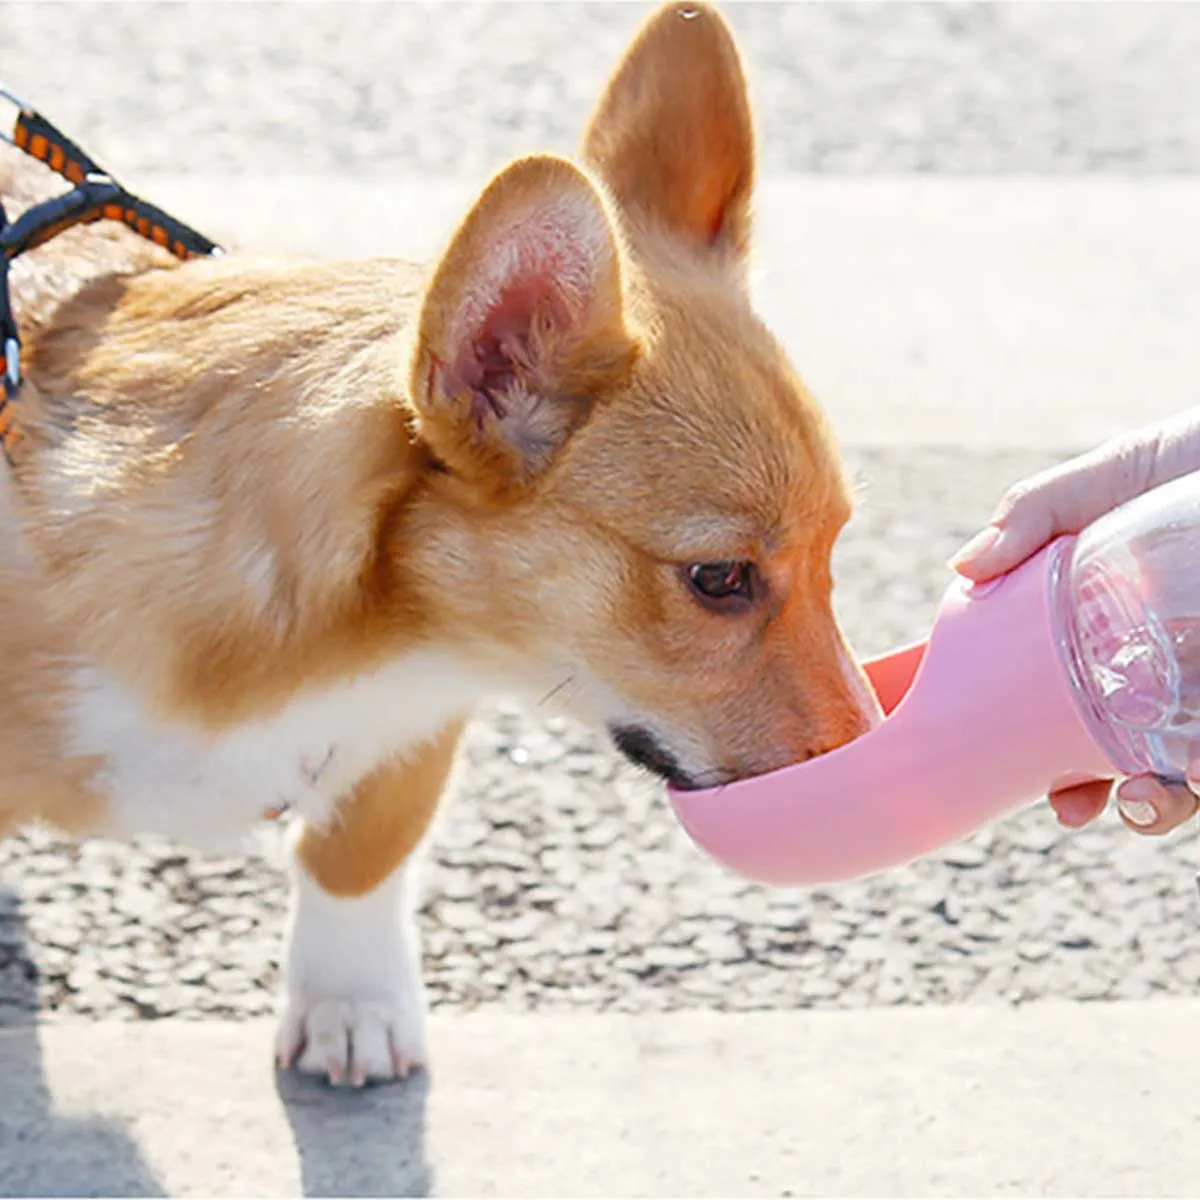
981,719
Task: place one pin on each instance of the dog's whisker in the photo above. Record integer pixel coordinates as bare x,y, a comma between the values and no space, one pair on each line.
554,691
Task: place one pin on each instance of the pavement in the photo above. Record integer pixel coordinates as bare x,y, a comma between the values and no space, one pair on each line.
976,239
1045,1100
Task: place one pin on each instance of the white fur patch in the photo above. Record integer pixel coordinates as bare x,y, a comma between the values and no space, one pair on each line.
353,996
207,790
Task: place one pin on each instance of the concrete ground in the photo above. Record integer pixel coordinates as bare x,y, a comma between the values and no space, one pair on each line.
1047,1100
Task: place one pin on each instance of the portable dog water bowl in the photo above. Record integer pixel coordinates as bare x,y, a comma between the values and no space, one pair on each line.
982,719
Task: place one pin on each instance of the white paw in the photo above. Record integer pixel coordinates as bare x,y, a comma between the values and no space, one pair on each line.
353,998
350,1041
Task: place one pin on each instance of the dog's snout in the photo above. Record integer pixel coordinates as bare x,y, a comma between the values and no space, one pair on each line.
848,710
849,722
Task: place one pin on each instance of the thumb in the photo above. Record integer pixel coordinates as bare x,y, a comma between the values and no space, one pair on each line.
1062,500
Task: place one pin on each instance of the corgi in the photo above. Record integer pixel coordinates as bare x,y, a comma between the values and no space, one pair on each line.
280,527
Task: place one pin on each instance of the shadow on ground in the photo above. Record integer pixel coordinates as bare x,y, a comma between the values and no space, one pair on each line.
359,1143
44,1152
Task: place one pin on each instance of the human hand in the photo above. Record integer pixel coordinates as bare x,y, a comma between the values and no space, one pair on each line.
1072,495
1063,500
1146,804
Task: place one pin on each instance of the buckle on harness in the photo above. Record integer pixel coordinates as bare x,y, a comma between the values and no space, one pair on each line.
12,364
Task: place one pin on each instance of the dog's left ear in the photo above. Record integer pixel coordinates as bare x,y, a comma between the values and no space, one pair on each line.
522,324
672,135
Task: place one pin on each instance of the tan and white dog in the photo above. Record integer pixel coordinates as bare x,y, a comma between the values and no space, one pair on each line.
281,526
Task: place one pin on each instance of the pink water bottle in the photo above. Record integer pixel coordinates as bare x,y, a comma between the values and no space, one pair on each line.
1082,663
1128,616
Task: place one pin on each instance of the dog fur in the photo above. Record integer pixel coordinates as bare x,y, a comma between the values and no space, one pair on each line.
282,525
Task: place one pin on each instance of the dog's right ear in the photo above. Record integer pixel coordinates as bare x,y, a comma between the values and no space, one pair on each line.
522,325
672,135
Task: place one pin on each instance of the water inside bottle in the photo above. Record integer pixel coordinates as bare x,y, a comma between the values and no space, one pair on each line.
1137,646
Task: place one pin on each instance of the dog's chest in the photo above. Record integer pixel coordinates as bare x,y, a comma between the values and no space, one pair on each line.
207,789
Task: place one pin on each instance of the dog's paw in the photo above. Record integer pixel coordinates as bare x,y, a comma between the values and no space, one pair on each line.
351,1042
353,998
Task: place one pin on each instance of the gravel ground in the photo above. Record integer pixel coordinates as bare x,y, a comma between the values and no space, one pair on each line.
559,878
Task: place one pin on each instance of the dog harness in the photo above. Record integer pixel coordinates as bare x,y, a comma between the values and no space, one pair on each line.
94,196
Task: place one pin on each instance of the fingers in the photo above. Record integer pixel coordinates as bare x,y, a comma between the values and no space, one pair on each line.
1146,805
1072,495
1150,807
995,550
1062,500
1079,806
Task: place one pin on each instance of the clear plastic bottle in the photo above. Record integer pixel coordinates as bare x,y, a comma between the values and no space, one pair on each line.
1127,603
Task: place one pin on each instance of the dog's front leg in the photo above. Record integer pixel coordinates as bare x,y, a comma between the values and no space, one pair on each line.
354,999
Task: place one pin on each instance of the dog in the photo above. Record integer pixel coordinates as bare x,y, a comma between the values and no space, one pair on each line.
281,526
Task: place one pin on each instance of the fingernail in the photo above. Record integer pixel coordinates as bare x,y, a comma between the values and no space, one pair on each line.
977,547
1138,812
1134,806
1193,783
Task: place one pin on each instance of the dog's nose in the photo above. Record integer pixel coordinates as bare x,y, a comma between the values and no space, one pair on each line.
850,720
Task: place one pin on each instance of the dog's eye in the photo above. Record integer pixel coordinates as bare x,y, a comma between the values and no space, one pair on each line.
728,585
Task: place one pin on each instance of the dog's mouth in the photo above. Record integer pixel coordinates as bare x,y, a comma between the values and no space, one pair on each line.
644,750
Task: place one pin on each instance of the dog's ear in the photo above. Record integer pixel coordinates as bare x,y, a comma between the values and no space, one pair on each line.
672,135
522,324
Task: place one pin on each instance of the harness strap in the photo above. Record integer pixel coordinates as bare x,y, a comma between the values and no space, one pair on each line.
10,363
40,138
47,143
95,196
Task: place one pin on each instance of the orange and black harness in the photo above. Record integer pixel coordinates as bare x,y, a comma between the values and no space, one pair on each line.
94,196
